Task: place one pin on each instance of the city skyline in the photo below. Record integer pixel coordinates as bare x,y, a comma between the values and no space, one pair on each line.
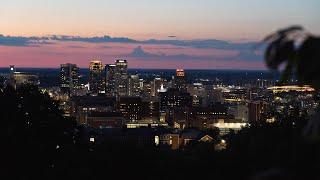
190,34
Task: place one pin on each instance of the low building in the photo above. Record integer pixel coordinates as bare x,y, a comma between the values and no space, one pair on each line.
193,135
144,137
226,126
179,139
170,139
150,137
204,117
17,79
82,106
105,120
145,123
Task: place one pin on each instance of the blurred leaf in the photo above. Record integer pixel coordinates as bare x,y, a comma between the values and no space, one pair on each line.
308,65
286,74
282,33
278,52
300,57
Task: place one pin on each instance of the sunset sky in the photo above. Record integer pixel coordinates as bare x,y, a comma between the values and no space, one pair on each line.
198,34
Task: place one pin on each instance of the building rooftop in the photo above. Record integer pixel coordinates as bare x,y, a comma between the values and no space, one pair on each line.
105,114
93,100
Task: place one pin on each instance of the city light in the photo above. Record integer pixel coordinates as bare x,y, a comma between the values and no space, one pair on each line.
180,89
92,139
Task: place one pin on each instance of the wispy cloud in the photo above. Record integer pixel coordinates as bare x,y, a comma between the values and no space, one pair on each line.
248,55
23,41
102,39
14,41
161,53
200,44
205,44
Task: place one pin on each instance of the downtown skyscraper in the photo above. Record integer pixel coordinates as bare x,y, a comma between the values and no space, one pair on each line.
180,80
121,78
96,77
110,70
134,85
69,78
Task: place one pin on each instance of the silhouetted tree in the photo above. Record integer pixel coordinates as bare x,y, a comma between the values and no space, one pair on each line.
299,51
34,130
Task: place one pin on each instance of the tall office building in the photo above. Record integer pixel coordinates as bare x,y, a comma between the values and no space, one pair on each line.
150,110
156,85
175,104
257,110
69,77
180,80
110,70
197,91
131,107
121,77
96,77
134,85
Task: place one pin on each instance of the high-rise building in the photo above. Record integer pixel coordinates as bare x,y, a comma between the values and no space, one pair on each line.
156,85
174,103
110,70
134,85
146,89
239,111
131,107
96,77
141,84
197,91
172,98
121,78
151,109
256,110
180,80
69,77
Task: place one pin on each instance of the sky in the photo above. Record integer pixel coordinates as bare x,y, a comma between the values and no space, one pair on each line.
191,34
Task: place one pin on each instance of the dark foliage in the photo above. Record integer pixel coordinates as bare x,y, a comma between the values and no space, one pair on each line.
32,128
40,143
299,51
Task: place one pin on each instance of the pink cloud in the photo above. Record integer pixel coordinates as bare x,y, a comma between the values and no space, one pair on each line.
52,55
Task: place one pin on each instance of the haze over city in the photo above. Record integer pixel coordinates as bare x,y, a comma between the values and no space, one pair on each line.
190,34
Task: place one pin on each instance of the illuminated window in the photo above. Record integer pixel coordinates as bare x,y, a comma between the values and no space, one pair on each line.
92,139
156,140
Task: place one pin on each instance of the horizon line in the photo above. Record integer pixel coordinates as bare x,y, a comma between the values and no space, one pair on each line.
145,68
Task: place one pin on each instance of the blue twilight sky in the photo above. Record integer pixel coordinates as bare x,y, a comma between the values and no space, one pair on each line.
227,19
